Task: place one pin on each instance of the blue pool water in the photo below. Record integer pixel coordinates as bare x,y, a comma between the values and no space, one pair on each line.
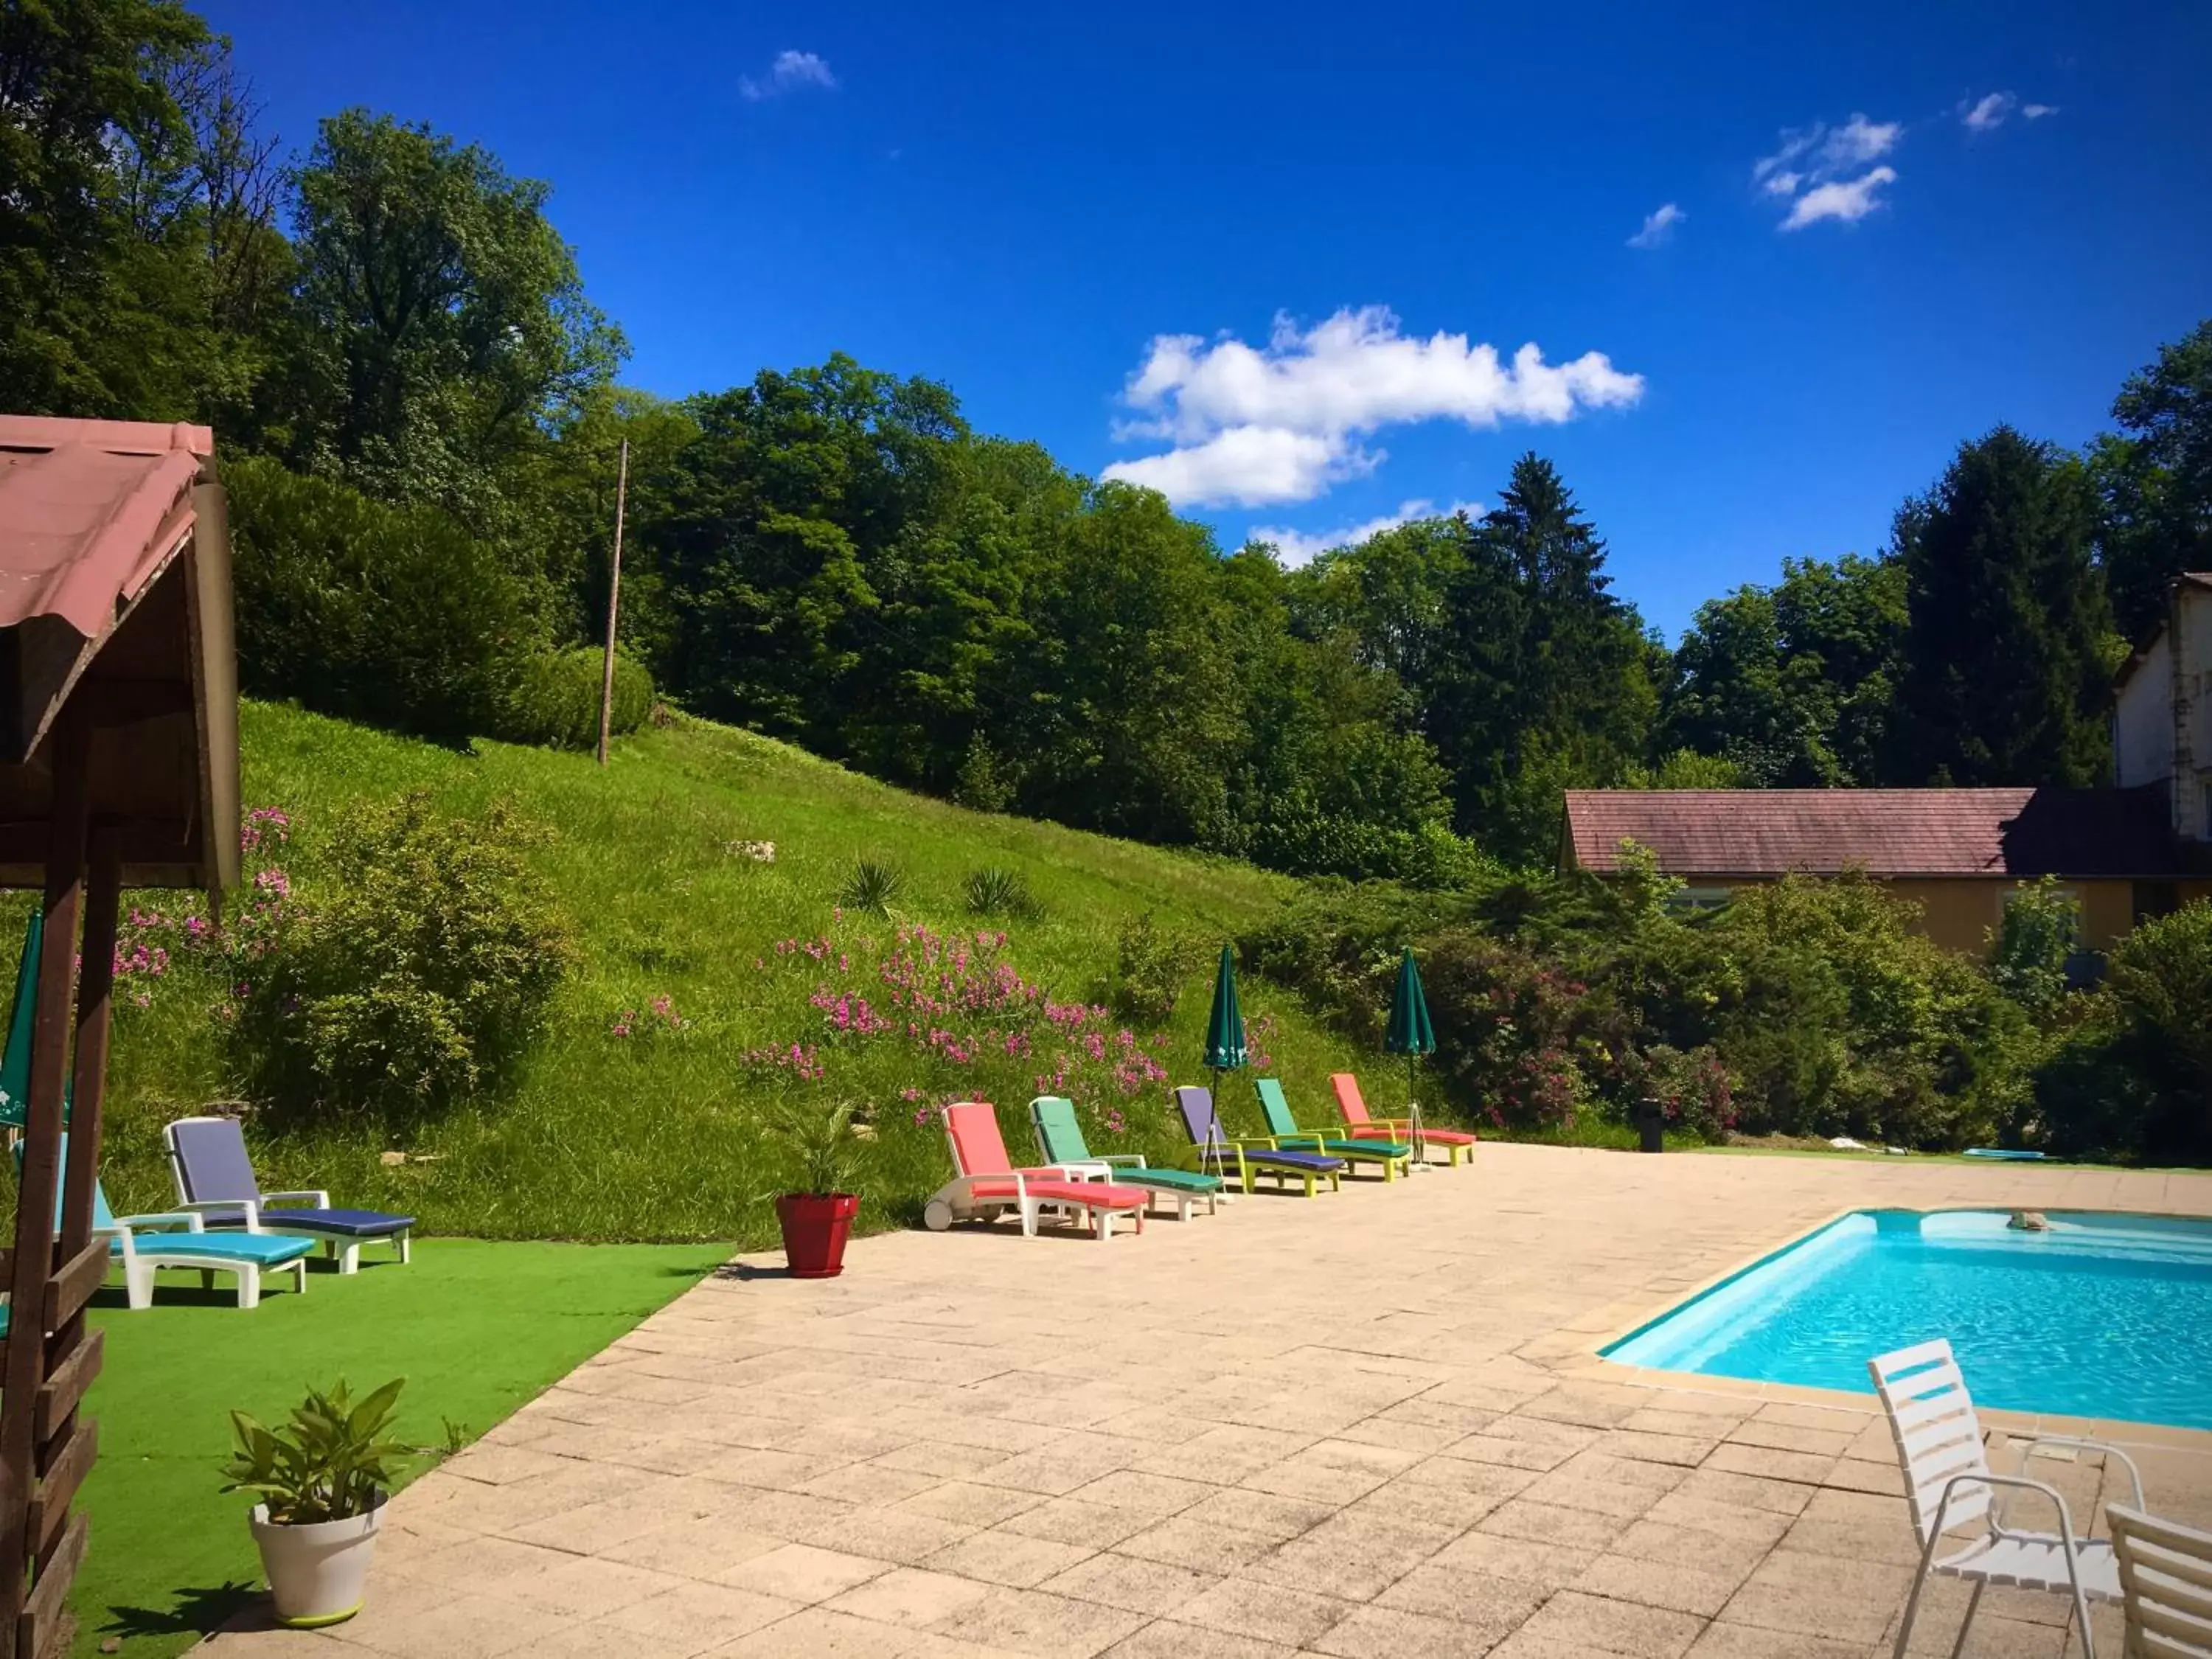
2104,1315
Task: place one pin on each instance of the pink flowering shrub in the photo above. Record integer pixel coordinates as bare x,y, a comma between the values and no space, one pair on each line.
657,1018
956,1005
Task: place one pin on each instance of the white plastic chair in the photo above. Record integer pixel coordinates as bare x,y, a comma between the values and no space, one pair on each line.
1948,1484
2166,1574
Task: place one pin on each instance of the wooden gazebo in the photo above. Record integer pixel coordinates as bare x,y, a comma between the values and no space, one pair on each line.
119,767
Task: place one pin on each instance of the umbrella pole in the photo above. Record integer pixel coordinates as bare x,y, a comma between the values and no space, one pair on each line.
1414,1110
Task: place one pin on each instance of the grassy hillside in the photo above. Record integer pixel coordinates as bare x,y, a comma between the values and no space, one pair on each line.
660,1133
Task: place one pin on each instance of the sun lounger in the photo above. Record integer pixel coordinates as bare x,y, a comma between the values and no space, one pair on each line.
1249,1159
215,1178
1389,1156
143,1244
1060,1136
986,1185
1352,1106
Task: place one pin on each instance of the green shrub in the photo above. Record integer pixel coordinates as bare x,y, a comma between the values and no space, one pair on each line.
1513,1039
1849,1021
1692,1089
872,886
996,891
2028,950
2134,1080
1151,965
556,700
395,616
417,967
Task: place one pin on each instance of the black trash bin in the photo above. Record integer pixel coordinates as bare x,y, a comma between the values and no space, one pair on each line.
1651,1120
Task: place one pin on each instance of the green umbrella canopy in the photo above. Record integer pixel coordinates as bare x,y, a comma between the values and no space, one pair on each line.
1225,1026
1410,1031
16,1063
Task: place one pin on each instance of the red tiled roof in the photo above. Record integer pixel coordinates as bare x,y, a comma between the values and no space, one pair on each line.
2002,833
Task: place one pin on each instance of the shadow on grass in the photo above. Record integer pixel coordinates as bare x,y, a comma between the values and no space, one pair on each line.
194,1613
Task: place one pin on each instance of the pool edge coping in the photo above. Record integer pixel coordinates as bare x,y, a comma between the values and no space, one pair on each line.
1598,1367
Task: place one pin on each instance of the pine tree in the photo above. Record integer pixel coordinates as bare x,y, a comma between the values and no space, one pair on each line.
2009,639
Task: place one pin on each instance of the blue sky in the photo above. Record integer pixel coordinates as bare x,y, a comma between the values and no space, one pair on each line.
1327,213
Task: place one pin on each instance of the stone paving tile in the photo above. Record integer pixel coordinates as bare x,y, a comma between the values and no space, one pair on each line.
802,1574
1132,1583
818,1633
1378,1633
1407,1447
1007,1558
1163,1638
1181,1541
1601,1625
1064,1521
909,1597
693,1618
1048,1626
966,1504
1491,1605
1821,1596
1245,1607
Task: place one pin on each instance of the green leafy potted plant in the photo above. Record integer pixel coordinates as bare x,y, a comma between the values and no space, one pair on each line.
817,1218
322,1479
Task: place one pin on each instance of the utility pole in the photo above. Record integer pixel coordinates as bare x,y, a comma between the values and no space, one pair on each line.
614,607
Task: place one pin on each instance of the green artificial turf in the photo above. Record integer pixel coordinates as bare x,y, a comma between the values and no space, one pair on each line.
476,1329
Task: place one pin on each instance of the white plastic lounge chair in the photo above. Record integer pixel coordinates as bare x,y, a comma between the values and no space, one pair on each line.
142,1245
2165,1572
1948,1483
986,1184
216,1178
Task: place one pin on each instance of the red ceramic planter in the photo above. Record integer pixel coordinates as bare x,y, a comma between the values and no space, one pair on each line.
815,1228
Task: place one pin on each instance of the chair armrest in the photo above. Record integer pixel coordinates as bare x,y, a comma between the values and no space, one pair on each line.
2015,1482
1091,1168
317,1200
1134,1160
250,1208
2074,1442
159,1221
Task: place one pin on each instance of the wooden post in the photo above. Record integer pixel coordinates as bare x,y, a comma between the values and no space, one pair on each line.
65,1457
614,607
33,1263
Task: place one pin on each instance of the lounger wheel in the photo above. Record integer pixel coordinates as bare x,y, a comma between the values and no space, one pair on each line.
937,1215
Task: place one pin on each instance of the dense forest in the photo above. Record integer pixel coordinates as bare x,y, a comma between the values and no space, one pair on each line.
420,411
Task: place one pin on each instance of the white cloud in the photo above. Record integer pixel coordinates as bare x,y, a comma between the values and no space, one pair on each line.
1296,547
1281,422
1987,113
1845,199
1250,465
2037,111
1816,159
792,71
1657,225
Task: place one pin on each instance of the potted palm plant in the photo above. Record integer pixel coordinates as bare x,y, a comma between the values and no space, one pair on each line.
817,1218
322,1479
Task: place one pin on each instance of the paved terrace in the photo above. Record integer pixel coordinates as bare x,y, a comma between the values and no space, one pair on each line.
1365,1425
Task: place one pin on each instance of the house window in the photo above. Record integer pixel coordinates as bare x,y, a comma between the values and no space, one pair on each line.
1697,900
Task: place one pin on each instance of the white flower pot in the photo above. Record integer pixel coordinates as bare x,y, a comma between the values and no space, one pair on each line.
317,1572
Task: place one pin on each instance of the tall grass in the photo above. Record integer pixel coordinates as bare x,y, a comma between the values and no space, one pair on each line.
663,1134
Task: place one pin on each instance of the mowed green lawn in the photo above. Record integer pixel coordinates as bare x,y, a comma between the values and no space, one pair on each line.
476,1327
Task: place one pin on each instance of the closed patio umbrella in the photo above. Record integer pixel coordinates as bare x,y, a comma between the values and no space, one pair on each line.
1225,1028
1411,1034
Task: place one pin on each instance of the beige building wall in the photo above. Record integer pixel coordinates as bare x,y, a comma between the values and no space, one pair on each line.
1959,911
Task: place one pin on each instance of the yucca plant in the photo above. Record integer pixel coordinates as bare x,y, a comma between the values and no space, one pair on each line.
872,886
995,890
329,1463
829,1155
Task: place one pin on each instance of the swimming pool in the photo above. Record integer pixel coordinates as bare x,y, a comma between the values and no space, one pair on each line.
2104,1315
